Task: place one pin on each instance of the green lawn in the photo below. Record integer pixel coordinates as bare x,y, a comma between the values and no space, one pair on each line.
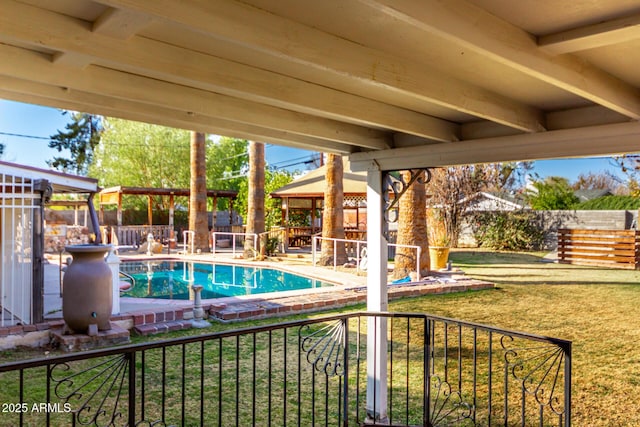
593,307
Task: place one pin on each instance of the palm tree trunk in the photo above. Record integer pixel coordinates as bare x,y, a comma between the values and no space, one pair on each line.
255,202
333,215
412,229
198,217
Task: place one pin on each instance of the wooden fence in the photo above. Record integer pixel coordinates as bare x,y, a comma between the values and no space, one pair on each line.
607,248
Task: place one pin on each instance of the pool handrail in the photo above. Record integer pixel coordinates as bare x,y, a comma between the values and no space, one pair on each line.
359,258
233,235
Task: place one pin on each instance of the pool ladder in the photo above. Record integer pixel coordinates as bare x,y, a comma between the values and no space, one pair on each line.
130,278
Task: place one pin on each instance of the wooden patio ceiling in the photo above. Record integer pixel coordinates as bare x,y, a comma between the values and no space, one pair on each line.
395,84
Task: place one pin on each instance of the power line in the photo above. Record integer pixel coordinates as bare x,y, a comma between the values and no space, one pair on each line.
290,160
19,135
306,162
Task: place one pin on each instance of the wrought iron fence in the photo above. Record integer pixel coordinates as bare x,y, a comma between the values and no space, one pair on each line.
440,372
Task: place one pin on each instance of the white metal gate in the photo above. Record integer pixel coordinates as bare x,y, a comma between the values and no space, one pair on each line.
17,205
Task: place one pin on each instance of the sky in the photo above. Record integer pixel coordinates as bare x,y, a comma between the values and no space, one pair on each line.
25,130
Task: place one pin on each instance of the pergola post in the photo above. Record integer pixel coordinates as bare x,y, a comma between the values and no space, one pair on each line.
214,213
150,210
171,210
377,298
119,210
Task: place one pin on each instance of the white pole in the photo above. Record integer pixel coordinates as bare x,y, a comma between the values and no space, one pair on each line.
114,264
314,242
377,299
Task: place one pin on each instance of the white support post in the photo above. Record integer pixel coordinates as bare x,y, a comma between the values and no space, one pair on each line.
377,299
114,264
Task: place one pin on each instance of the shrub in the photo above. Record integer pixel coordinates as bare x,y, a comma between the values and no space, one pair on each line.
611,203
512,231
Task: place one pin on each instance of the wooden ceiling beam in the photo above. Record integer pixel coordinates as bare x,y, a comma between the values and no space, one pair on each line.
149,57
578,142
337,62
592,36
120,24
116,23
53,96
29,65
474,28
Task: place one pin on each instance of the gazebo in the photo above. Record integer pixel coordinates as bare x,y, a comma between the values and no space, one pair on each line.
304,198
132,234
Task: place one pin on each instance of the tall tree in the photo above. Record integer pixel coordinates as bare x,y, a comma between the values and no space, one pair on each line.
198,217
274,179
80,138
333,215
451,189
600,181
255,197
554,193
142,155
412,228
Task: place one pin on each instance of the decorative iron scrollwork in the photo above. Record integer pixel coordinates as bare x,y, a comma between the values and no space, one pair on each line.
447,406
93,392
397,186
325,347
539,368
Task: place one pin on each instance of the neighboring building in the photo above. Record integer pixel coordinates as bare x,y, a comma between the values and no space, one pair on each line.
496,201
24,192
586,195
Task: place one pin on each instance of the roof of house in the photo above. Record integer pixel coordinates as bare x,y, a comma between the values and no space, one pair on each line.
586,195
59,181
506,199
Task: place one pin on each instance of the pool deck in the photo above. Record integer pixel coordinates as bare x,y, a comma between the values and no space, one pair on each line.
157,315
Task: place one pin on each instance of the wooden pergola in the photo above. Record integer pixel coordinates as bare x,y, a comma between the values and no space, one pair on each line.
113,196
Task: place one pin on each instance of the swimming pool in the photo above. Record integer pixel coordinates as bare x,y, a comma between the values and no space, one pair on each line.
171,279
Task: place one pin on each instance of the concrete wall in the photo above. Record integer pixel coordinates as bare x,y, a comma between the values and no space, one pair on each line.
606,220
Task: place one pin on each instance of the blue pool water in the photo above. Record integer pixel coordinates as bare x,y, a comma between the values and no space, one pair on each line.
172,279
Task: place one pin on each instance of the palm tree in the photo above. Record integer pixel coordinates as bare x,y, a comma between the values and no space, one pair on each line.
333,215
198,216
255,198
412,228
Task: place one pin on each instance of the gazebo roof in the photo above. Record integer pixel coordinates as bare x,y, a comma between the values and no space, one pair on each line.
313,184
